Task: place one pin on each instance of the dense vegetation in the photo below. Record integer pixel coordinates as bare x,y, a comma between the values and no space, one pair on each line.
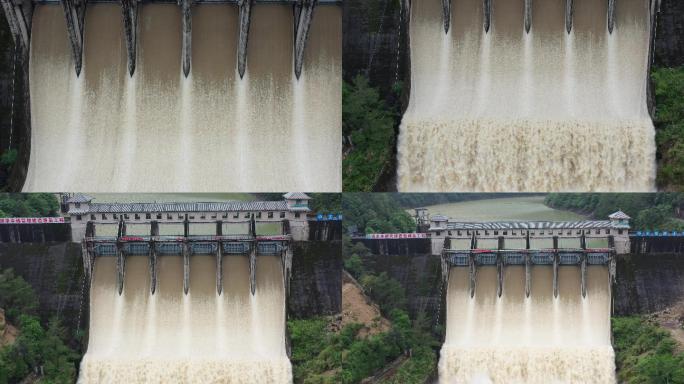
320,355
374,213
668,84
645,353
39,350
649,211
368,128
28,204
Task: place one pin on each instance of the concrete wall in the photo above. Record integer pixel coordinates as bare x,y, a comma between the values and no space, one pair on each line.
316,284
55,272
648,283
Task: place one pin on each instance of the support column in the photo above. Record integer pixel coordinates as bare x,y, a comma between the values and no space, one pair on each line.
528,274
186,30
446,267
287,268
446,14
473,271
569,10
120,267
153,266
583,244
499,267
129,11
245,15
528,15
252,268
186,266
186,226
18,15
611,15
74,11
487,14
303,16
555,266
219,268
252,226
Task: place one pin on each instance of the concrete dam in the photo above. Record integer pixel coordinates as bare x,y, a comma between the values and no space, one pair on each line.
523,95
522,301
197,305
159,96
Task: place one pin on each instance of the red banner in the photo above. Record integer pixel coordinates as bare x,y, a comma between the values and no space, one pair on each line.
31,220
397,236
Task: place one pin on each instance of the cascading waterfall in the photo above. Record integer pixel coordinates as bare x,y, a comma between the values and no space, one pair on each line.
544,111
201,337
540,339
160,131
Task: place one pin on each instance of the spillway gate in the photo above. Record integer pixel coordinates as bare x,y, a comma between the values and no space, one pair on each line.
464,252
19,14
154,245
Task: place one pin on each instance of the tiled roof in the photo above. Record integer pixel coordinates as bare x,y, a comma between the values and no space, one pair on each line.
79,198
586,224
439,218
296,196
619,215
182,207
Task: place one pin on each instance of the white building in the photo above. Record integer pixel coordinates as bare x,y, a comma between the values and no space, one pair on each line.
616,226
294,207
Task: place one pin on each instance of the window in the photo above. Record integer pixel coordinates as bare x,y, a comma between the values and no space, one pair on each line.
92,217
116,217
496,232
180,217
77,205
449,232
213,216
282,215
225,215
505,233
78,217
137,216
588,232
126,216
297,215
486,233
203,217
298,202
458,233
192,217
246,215
607,231
270,215
159,216
236,215
148,216
258,215
619,231
104,217
438,233
598,231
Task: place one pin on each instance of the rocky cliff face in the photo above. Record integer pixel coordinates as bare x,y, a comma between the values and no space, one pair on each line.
648,283
316,284
55,272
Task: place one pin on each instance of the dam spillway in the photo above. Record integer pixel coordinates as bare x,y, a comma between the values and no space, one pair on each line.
171,303
535,339
201,337
496,108
158,130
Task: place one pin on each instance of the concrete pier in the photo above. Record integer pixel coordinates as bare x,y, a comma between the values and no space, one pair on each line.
446,14
487,14
186,30
129,13
611,15
303,15
74,12
569,9
528,15
18,14
245,17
